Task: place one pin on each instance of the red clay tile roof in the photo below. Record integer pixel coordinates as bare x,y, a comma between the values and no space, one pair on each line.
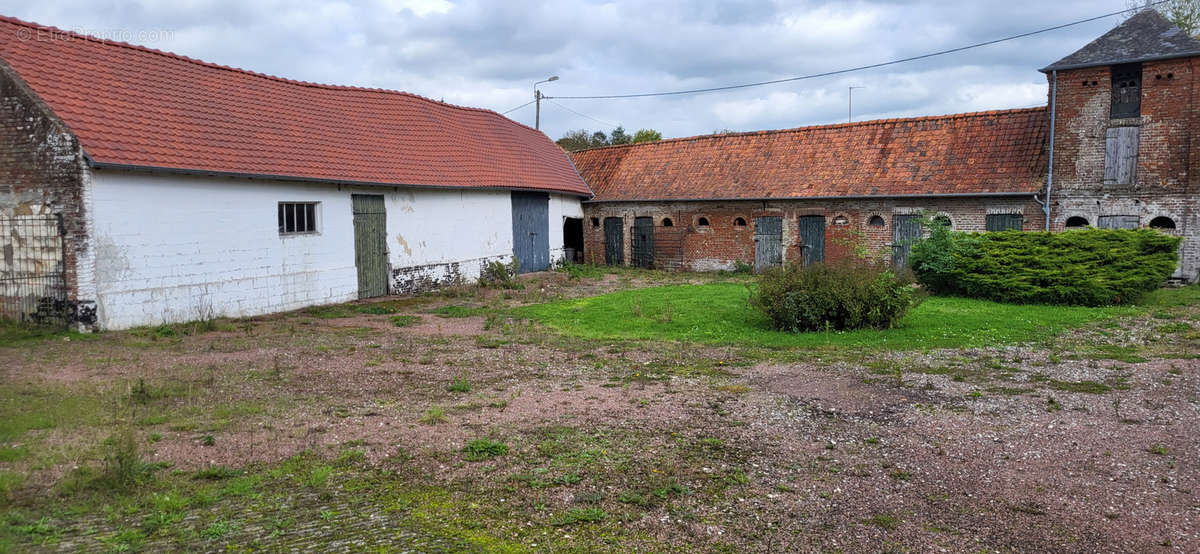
133,106
986,152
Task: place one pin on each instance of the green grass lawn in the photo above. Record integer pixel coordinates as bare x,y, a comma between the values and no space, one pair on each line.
720,314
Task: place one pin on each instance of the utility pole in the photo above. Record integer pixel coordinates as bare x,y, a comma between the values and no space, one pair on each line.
850,104
537,100
537,110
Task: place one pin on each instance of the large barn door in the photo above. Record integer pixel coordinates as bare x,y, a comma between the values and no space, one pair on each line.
614,241
906,229
812,238
531,230
643,242
370,244
768,242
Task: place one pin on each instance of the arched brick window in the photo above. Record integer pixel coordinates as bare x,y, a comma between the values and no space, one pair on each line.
739,222
702,221
667,222
876,221
1076,221
1162,222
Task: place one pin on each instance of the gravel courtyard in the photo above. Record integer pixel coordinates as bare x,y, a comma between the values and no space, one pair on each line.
441,423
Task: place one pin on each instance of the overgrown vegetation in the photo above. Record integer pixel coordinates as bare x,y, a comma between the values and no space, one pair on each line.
815,297
1089,267
501,275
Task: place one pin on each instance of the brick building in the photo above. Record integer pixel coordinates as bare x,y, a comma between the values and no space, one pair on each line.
1122,111
138,187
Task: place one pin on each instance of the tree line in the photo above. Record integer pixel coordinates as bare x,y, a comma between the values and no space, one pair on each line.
582,139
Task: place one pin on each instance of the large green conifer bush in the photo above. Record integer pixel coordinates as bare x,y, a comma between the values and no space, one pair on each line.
1087,267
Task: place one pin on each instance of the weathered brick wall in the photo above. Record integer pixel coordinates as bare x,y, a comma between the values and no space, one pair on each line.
42,173
1166,179
688,245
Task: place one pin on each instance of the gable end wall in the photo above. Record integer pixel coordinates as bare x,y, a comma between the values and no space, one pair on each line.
43,172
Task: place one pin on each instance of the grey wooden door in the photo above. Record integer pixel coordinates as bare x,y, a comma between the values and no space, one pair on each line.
643,242
768,242
1117,222
614,241
531,230
370,244
906,229
812,238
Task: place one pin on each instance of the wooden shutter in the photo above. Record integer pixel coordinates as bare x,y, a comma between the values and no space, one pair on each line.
1120,155
1117,222
1004,222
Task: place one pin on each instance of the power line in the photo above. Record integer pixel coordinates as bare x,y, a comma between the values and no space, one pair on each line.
853,69
519,107
581,114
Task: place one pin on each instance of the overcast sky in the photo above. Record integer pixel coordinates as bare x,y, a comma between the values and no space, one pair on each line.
489,53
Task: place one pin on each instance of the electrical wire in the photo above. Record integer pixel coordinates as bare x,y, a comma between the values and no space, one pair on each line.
582,114
519,107
853,69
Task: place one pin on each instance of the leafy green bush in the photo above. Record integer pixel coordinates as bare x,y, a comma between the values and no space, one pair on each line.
1087,267
501,275
849,295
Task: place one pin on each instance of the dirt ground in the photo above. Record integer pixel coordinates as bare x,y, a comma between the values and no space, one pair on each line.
643,446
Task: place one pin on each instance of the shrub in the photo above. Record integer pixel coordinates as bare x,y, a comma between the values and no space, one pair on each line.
1088,267
499,274
849,295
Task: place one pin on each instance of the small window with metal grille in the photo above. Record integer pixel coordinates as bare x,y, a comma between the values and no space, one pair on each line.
1127,90
297,217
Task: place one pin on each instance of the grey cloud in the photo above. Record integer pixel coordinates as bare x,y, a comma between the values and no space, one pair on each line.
489,53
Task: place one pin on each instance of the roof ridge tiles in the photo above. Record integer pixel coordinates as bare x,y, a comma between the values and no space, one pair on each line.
825,126
188,59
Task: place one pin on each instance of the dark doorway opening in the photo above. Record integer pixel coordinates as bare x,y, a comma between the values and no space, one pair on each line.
573,239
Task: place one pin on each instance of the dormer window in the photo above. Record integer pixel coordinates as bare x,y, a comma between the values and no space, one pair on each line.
1126,90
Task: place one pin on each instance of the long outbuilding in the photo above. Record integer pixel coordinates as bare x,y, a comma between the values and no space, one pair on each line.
140,187
1112,148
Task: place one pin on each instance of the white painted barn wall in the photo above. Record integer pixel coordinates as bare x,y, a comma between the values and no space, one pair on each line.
175,248
172,248
443,237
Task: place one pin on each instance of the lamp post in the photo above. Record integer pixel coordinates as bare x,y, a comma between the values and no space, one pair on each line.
537,99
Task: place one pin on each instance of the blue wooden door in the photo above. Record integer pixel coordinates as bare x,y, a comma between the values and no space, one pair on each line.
768,242
531,230
614,241
643,242
812,238
906,229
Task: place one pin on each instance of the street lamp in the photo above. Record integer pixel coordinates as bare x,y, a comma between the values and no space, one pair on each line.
537,99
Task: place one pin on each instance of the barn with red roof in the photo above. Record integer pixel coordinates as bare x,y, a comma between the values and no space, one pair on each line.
141,187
